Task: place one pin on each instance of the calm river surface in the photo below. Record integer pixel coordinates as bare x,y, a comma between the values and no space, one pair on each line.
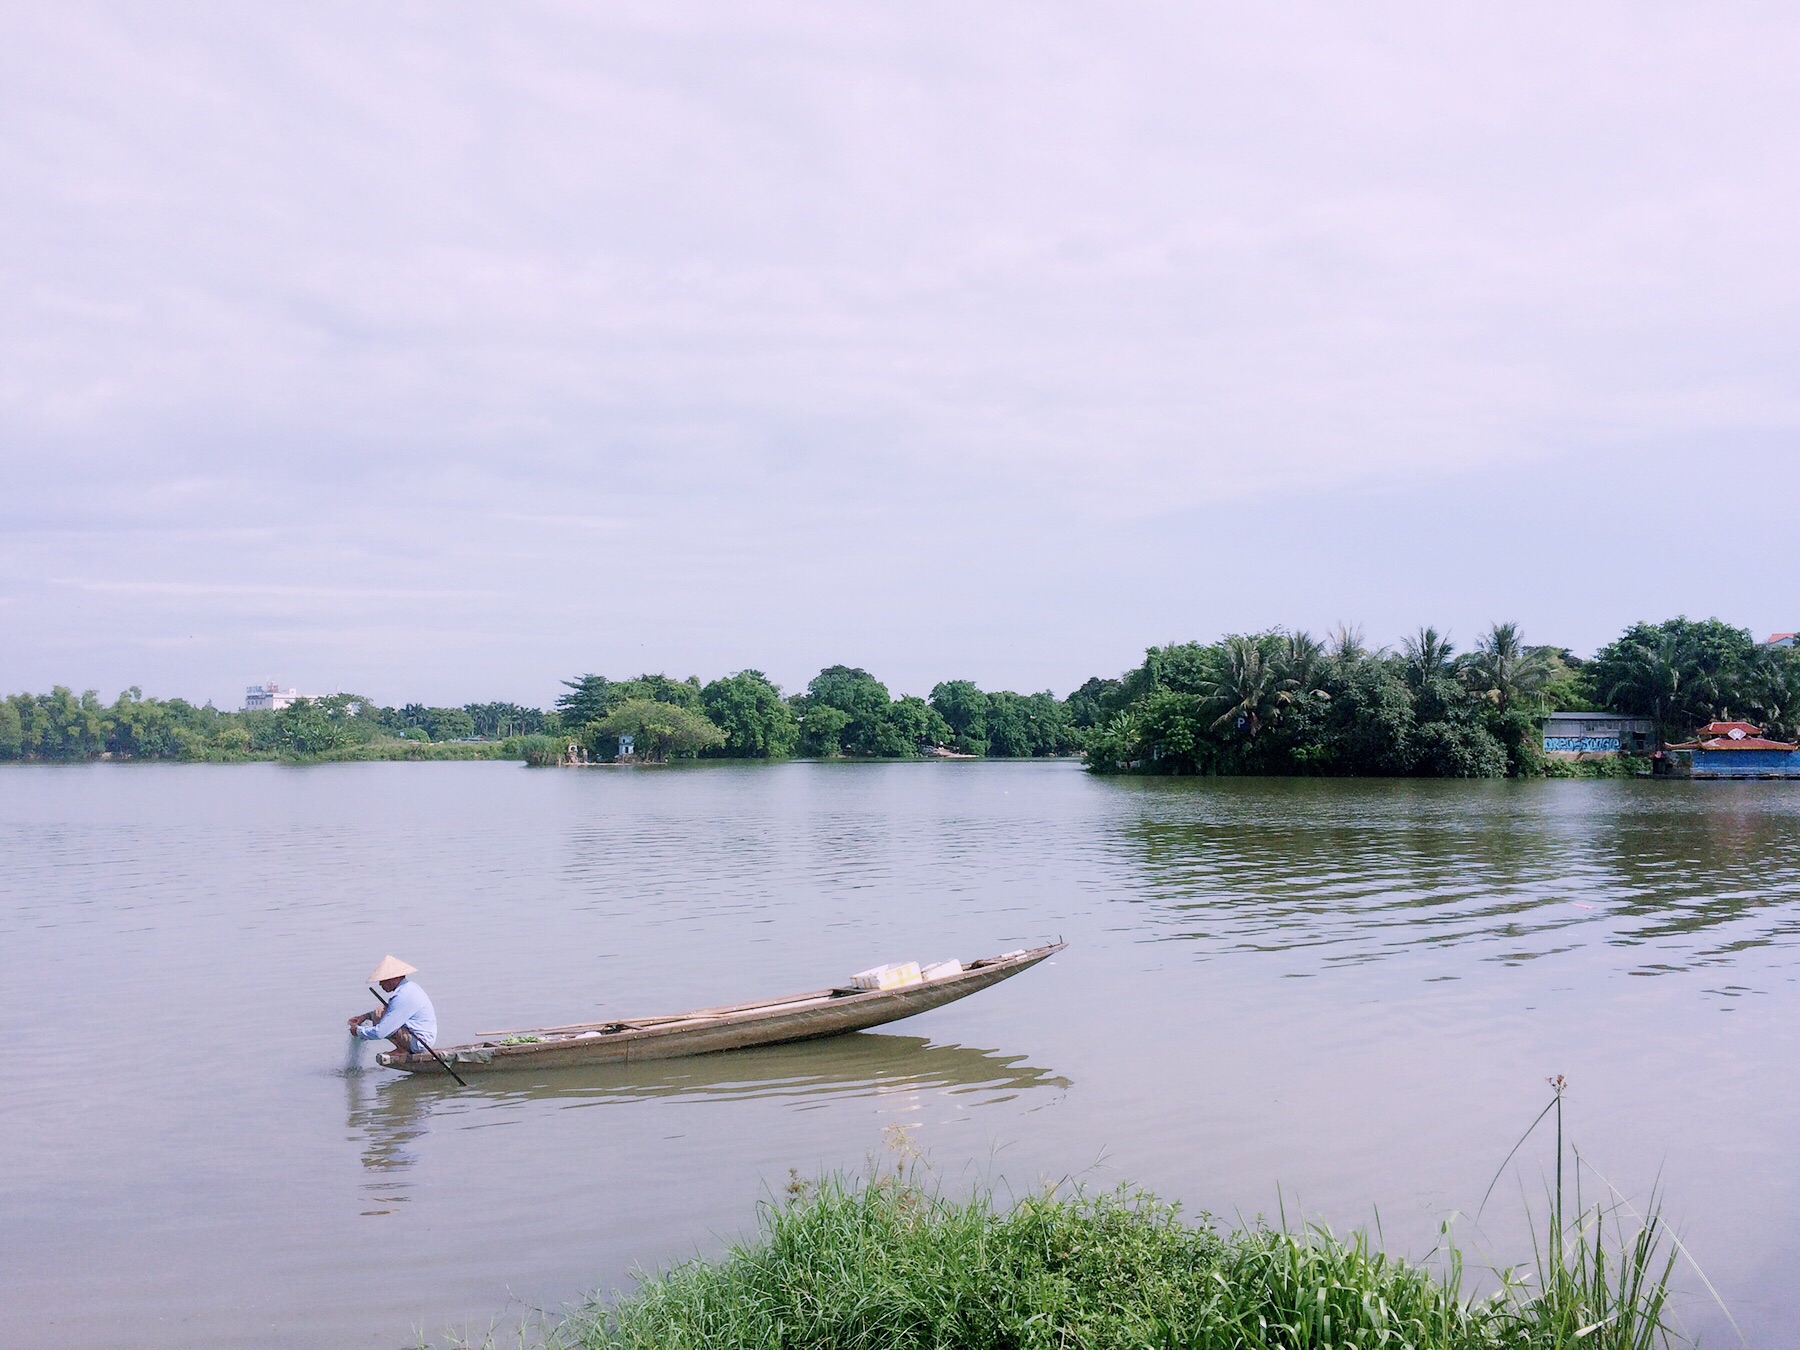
1341,995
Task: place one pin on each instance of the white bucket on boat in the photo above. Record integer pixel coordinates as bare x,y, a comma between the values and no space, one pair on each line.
887,977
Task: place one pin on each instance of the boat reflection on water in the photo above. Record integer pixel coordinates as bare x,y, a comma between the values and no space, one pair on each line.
389,1113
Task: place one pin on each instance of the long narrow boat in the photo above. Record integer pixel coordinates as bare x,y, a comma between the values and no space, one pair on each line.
798,1017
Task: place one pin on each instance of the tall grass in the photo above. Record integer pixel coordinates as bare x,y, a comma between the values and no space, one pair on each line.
541,752
398,750
1603,1271
890,1261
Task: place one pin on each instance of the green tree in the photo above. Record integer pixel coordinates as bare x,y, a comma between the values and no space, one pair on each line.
907,726
663,689
1173,733
495,720
1185,667
264,729
589,699
307,727
230,739
1053,729
12,730
821,728
1008,722
408,716
1566,687
858,694
1504,668
1095,702
1250,684
1449,749
1114,745
1370,724
449,724
140,728
1681,673
964,709
1771,691
659,730
756,721
1427,656
1346,648
68,727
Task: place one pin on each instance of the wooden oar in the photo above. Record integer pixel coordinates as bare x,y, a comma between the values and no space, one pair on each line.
421,1040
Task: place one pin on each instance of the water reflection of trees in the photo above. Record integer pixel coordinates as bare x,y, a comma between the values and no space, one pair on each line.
1360,871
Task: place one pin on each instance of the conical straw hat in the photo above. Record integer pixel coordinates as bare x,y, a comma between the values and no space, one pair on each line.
391,967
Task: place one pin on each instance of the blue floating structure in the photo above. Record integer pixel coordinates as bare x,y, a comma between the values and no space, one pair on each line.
1730,750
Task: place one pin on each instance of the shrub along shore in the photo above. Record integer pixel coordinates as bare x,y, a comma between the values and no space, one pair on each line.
890,1263
1276,702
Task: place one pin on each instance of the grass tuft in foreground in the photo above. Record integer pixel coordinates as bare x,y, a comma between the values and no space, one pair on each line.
889,1263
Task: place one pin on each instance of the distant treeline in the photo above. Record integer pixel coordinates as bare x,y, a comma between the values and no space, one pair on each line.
1286,703
1276,702
843,711
63,725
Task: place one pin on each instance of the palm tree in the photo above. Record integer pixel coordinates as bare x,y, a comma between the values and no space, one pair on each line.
1654,679
1300,655
1258,678
1774,691
1428,656
1345,647
1302,664
1245,682
1505,667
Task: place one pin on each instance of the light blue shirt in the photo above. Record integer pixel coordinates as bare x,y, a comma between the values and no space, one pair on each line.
407,1007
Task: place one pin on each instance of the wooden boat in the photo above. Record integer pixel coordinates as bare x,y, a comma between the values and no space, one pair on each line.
798,1017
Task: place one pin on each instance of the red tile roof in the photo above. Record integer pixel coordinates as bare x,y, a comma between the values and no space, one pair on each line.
1745,743
1726,728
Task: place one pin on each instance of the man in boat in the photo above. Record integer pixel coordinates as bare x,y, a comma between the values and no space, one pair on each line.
409,1020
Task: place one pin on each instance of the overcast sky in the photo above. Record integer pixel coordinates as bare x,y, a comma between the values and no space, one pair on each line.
442,351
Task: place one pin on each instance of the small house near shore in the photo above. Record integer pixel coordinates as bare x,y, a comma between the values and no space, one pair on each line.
1730,750
1583,735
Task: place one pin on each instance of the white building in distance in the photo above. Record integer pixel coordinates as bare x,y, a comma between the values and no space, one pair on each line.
270,697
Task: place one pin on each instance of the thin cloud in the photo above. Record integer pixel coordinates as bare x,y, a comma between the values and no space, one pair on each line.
734,334
237,590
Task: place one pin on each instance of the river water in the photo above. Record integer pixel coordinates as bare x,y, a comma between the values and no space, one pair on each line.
1339,997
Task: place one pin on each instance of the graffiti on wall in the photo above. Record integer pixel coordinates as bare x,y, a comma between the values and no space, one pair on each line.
1581,745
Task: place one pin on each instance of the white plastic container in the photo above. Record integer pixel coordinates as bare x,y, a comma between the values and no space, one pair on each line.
940,970
887,977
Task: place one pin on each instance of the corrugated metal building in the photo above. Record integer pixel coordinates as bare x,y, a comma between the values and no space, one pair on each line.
1572,735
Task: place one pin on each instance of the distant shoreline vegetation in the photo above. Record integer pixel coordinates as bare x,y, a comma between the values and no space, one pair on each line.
1276,703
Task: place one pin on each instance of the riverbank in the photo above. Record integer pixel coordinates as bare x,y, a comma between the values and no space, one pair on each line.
891,1262
397,751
